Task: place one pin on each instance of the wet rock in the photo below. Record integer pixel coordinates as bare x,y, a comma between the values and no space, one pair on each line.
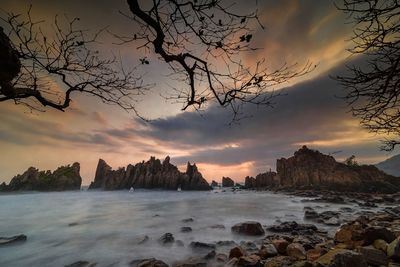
393,249
217,226
268,251
310,214
367,204
373,233
251,260
81,264
192,262
373,256
179,243
325,246
309,241
143,240
293,227
12,240
148,263
248,228
268,239
232,262
314,254
280,261
210,255
221,257
380,244
280,245
236,252
226,243
167,238
346,209
342,258
248,246
186,229
296,250
350,234
332,221
201,245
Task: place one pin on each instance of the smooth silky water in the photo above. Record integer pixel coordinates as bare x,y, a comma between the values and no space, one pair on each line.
106,227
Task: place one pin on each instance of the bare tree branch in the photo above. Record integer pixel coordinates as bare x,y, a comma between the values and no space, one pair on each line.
203,42
373,91
41,69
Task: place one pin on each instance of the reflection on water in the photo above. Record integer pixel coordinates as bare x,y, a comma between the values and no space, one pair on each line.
107,227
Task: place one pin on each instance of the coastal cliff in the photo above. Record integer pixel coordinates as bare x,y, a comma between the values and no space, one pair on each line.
152,174
311,169
62,179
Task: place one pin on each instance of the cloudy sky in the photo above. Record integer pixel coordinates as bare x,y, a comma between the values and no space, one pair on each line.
309,113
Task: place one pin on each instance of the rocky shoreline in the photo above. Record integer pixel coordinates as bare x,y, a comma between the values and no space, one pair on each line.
367,238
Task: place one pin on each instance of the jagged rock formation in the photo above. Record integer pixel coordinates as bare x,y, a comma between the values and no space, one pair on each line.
214,183
262,180
310,168
62,179
314,170
152,174
249,182
227,182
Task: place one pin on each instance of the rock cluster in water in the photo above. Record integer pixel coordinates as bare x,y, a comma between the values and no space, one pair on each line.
62,179
371,239
152,174
312,169
227,182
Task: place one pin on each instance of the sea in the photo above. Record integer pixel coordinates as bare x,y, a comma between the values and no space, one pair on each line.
113,228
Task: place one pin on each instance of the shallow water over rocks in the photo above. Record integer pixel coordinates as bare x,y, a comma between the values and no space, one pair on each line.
115,228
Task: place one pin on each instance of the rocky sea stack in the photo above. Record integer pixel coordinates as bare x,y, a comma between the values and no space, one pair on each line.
227,182
62,179
310,169
152,174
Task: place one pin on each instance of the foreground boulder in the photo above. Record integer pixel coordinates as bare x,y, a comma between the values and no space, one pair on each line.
152,174
248,228
62,179
393,249
312,169
374,257
342,258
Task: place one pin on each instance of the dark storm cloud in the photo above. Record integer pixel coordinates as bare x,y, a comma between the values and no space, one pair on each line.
311,111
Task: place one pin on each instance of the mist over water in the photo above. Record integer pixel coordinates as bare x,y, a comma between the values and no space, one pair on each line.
106,227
